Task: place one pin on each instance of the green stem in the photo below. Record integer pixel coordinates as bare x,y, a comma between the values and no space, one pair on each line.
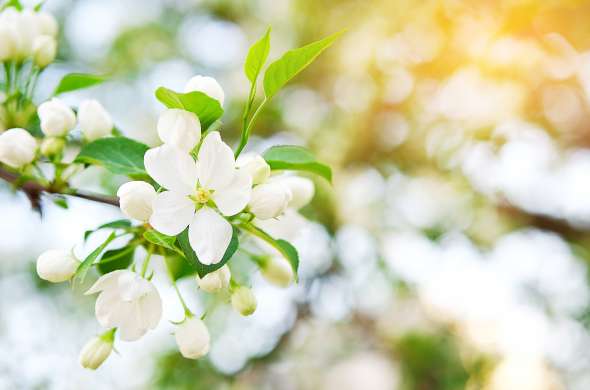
253,230
7,76
146,262
187,311
246,131
109,335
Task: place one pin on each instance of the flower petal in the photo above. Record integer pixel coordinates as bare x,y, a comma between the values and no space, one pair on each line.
216,162
106,282
209,235
173,212
232,199
172,168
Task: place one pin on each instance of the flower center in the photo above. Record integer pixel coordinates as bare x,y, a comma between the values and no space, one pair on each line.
201,196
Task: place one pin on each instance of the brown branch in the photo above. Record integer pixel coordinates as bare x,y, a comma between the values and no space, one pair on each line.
33,190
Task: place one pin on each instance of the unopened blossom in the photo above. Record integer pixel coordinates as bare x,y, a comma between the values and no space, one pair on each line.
52,146
192,338
255,165
135,200
46,24
17,148
269,200
277,271
243,301
95,121
302,189
199,194
208,85
179,128
97,350
8,41
127,302
57,118
56,265
215,281
44,50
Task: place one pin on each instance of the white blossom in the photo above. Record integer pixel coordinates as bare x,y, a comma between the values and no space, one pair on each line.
17,148
127,302
278,271
135,200
192,338
198,195
47,24
8,41
255,165
269,200
208,85
216,280
179,128
56,265
44,50
302,189
243,301
95,121
96,351
56,118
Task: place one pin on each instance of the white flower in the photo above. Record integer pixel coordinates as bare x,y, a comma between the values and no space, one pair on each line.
216,280
56,118
96,351
199,193
278,271
57,265
208,85
17,148
179,128
8,41
255,165
95,121
243,301
302,189
192,338
127,302
46,24
27,29
269,200
44,50
135,200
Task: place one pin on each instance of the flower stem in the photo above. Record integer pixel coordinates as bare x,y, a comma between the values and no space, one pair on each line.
109,335
247,129
187,311
146,262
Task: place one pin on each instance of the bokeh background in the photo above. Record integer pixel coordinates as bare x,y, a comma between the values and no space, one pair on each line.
452,250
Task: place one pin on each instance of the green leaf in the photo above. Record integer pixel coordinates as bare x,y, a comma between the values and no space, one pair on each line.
292,62
257,56
160,239
284,247
206,108
116,259
178,267
118,224
117,154
85,265
75,81
296,158
13,3
193,260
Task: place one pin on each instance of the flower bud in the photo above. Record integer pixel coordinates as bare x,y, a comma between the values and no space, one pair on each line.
243,301
52,146
192,338
8,42
208,85
215,281
95,121
44,50
17,148
47,24
302,190
278,271
135,200
179,128
97,350
56,118
25,23
269,200
256,167
57,265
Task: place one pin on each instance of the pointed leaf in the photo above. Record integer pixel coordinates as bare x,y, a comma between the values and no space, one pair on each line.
160,239
257,56
117,154
116,259
207,109
75,81
85,265
296,158
118,224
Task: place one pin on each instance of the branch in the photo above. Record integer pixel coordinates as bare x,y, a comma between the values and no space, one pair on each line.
33,190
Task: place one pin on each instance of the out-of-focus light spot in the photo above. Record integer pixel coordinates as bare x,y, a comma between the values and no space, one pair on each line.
304,110
393,129
562,107
363,371
399,85
523,373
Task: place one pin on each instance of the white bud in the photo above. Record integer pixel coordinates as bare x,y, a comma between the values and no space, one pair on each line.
208,85
96,351
27,30
269,200
255,165
47,24
95,121
243,301
8,42
278,271
179,128
192,338
135,200
56,118
56,265
44,50
302,190
215,281
17,148
52,146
